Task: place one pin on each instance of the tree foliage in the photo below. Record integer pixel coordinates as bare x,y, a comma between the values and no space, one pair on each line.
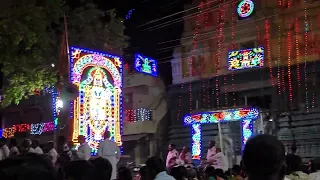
30,38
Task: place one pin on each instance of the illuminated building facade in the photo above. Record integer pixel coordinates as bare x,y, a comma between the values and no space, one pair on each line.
247,53
98,108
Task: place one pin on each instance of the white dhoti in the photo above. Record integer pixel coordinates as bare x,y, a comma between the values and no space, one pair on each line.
113,160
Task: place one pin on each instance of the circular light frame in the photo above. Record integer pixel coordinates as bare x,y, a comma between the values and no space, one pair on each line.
249,12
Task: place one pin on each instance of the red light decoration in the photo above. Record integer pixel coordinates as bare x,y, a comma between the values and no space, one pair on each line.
313,63
289,64
206,44
233,34
267,26
305,58
297,52
279,58
220,36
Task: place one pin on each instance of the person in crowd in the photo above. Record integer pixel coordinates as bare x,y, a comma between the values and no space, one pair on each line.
68,152
295,173
80,170
143,173
53,154
219,160
172,156
84,150
209,173
185,156
36,146
4,147
220,174
14,147
110,150
211,151
264,158
30,166
179,173
314,169
26,147
156,169
124,174
103,168
236,173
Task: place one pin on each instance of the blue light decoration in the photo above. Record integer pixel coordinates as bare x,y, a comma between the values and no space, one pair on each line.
246,115
245,8
246,59
55,110
99,77
145,65
1,133
128,16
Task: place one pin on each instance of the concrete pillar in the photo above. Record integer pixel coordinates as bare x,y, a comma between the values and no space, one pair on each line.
152,147
137,154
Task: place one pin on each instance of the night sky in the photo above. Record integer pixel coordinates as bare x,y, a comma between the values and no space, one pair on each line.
146,41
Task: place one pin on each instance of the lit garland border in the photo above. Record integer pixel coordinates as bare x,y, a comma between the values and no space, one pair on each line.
113,64
246,115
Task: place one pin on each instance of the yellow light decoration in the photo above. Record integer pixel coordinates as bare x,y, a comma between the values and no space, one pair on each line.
99,105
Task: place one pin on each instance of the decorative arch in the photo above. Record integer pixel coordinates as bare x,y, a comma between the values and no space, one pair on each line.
94,60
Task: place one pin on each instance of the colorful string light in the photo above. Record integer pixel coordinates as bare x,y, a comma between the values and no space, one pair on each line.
29,128
136,115
246,115
99,105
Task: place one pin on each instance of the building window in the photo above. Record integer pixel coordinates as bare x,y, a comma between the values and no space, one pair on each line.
247,45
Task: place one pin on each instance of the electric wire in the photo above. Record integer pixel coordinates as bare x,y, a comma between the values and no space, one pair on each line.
205,50
212,31
182,19
171,15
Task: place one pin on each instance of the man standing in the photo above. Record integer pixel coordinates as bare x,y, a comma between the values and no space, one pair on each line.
4,148
172,156
211,151
219,161
36,147
109,150
84,150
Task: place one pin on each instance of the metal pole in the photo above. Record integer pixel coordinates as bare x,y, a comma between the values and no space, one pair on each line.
261,124
220,136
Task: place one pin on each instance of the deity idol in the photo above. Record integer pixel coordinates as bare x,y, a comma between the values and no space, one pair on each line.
98,104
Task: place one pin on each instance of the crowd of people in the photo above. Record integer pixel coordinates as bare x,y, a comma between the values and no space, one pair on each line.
263,159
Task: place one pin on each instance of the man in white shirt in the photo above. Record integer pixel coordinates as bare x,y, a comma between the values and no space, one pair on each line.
84,150
35,145
220,161
172,156
26,147
4,147
110,151
52,153
211,151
